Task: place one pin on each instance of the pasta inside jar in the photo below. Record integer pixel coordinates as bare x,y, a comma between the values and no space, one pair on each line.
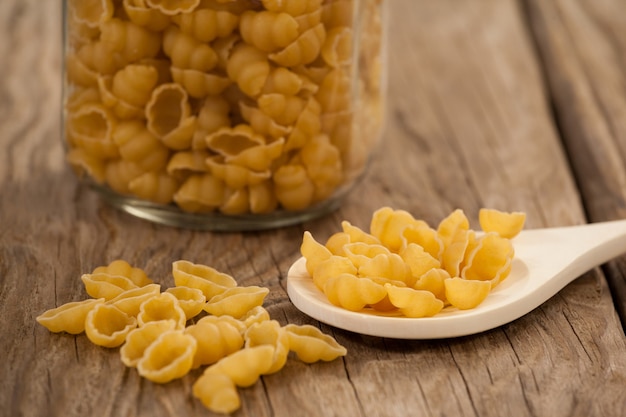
248,114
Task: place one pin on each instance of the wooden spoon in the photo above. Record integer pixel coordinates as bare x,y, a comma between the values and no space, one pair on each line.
546,260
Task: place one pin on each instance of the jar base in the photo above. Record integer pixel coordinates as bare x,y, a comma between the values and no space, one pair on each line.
171,215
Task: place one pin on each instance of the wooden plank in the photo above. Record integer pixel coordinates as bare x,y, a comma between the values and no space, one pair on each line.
583,45
469,126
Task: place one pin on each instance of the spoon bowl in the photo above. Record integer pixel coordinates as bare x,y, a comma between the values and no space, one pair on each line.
546,260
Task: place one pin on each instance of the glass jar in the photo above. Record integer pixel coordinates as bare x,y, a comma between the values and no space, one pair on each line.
223,114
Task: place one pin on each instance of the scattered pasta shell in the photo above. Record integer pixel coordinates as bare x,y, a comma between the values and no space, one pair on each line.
138,340
69,317
217,392
129,301
490,260
236,301
311,345
269,332
108,326
216,339
255,315
164,306
169,357
123,268
353,293
465,294
208,280
191,300
414,303
245,366
507,225
105,285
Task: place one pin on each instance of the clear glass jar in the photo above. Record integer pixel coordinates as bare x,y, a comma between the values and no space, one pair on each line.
223,114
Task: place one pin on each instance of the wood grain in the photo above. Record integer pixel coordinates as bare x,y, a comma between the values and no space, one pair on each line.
470,125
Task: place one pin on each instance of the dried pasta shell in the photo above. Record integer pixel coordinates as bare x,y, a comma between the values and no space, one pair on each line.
236,202
418,260
270,332
200,84
258,158
388,226
334,93
309,19
360,253
230,142
283,81
79,73
215,339
173,7
256,314
507,225
131,41
201,193
245,366
337,48
130,300
262,198
331,267
262,123
304,50
191,300
235,176
136,144
311,345
183,164
414,303
138,340
187,52
150,18
123,268
426,237
213,115
158,187
293,187
465,294
322,161
353,293
120,108
454,252
449,226
249,68
134,83
268,31
169,357
91,128
105,285
236,323
336,243
236,301
433,281
119,173
69,317
168,114
101,58
490,260
217,392
164,306
91,13
284,109
314,252
358,235
108,326
208,280
308,125
207,24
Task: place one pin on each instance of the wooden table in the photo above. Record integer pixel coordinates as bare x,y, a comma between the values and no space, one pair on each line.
514,105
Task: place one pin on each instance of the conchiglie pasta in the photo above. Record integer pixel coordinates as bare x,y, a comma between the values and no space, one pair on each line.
108,326
169,357
236,301
311,345
69,317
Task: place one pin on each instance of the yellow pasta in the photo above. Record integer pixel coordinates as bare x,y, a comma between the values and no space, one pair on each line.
120,267
390,266
141,14
418,260
236,176
507,225
262,198
293,187
213,115
331,267
69,317
200,84
91,128
308,125
322,161
245,366
173,7
158,187
164,306
303,50
201,193
84,163
465,294
249,68
236,301
262,123
169,357
259,157
314,252
255,315
130,301
106,285
490,260
217,392
183,164
337,48
208,280
139,339
169,116
207,24
293,7
120,108
433,281
108,326
311,345
353,293
187,52
191,300
131,41
120,172
388,226
92,13
215,339
270,332
414,303
137,144
268,31
449,226
424,236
